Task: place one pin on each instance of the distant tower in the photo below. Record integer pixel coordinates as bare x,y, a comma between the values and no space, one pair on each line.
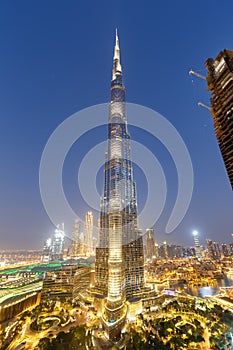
81,244
46,257
76,244
231,249
197,244
156,250
150,244
57,245
217,251
164,250
220,83
88,234
225,250
210,249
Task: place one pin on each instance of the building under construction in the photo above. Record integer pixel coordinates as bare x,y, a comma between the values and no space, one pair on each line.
220,83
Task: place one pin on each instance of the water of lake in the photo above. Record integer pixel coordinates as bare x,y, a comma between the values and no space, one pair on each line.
203,292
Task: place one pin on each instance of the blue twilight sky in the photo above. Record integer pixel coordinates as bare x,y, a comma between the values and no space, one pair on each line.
56,59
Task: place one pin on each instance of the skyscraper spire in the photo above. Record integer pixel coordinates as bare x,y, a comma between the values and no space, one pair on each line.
117,70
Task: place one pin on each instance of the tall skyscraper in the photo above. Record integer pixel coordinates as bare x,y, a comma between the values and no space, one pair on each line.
225,249
217,251
210,249
46,256
231,248
76,241
156,250
57,245
197,244
88,234
164,250
150,244
119,270
175,251
220,83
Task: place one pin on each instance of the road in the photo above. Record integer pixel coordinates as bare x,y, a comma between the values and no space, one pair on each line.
224,303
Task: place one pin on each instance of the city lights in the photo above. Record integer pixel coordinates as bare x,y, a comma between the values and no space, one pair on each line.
109,278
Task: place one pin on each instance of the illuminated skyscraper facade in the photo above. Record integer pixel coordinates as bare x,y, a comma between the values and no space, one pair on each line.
88,234
220,83
57,244
217,251
197,244
225,250
46,256
76,247
210,249
164,250
119,270
150,244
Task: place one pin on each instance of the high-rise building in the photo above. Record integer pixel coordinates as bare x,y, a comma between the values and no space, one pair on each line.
150,244
88,234
210,249
46,256
225,250
217,251
53,249
119,269
76,241
57,245
81,246
164,250
175,251
189,252
231,248
197,244
156,250
220,83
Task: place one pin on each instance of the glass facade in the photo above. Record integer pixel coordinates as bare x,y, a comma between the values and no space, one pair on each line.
119,270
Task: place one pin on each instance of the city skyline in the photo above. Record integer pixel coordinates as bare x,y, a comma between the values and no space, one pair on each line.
42,76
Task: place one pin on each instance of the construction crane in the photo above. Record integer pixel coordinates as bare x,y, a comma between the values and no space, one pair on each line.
204,78
203,105
197,74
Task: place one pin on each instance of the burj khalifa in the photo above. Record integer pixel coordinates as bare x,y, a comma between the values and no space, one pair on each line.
119,267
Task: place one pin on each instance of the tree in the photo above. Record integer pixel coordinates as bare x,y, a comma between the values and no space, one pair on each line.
44,344
176,343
